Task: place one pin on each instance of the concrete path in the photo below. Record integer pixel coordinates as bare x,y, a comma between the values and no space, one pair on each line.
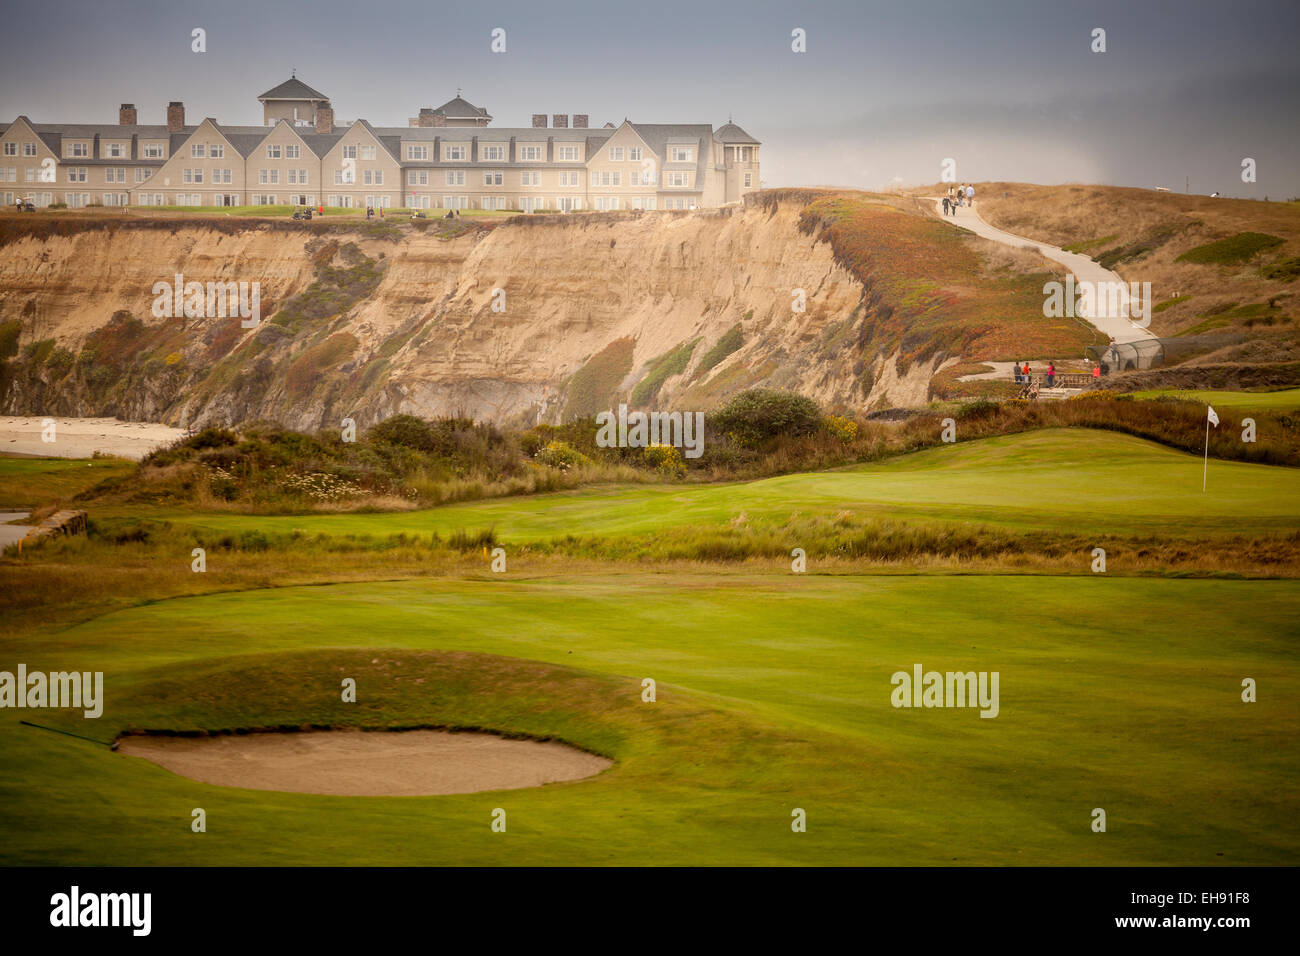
1111,321
12,533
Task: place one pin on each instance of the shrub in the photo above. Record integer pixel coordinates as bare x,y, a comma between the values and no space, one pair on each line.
1232,250
9,332
759,414
665,459
661,369
845,429
730,342
562,455
1284,270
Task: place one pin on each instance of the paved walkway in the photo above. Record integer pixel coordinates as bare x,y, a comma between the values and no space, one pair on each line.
1117,326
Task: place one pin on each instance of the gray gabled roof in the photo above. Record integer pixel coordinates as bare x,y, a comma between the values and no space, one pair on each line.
293,89
658,136
731,133
461,109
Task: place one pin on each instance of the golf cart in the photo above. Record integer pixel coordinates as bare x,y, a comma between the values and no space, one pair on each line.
26,205
304,213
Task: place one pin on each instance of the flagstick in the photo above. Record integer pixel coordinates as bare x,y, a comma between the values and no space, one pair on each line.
1206,471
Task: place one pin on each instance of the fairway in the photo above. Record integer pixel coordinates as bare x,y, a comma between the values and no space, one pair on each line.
1284,398
1056,478
773,693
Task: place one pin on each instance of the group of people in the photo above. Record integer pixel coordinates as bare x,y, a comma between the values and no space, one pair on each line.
963,195
1023,378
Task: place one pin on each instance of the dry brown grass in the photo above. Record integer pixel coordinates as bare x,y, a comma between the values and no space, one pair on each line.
1064,215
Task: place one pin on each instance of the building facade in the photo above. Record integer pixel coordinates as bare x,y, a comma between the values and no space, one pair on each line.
449,157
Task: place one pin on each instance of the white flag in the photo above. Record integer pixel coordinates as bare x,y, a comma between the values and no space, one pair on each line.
1214,419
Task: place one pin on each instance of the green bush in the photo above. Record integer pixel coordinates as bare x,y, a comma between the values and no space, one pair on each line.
1232,250
661,369
1284,270
9,332
760,414
730,342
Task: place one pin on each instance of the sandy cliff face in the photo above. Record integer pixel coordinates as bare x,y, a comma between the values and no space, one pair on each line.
492,323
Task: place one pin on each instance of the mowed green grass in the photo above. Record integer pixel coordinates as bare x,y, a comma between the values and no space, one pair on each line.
1055,478
33,481
1284,398
774,693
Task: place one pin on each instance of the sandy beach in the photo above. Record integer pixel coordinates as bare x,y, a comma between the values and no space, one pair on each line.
82,437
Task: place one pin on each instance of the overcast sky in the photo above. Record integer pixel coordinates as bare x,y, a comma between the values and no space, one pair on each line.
1010,89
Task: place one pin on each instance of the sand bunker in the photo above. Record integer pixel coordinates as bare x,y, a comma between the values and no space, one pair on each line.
368,764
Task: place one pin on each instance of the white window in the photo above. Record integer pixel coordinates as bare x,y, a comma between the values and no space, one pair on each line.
492,177
492,154
417,152
114,151
569,178
368,178
680,154
677,179
10,174
76,174
153,151
494,202
11,149
76,200
302,177
417,177
141,174
197,150
29,149
530,153
455,202
607,179
749,180
293,152
616,154
268,177
349,152
566,154
113,174
79,149
217,151
643,202
455,177
367,152
273,152
224,176
29,175
530,179
453,153
634,154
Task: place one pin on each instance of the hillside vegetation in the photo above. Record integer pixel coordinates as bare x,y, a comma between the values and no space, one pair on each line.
1220,269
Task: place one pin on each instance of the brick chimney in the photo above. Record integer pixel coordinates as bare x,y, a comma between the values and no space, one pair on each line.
325,118
560,121
427,117
175,116
580,120
539,121
126,115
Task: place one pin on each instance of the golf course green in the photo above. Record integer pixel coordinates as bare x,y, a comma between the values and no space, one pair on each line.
774,689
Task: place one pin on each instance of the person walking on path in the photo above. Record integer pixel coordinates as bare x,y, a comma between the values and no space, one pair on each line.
1051,374
946,204
1016,368
970,195
1027,377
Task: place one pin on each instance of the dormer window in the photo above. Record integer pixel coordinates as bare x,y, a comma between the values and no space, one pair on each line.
453,153
681,154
